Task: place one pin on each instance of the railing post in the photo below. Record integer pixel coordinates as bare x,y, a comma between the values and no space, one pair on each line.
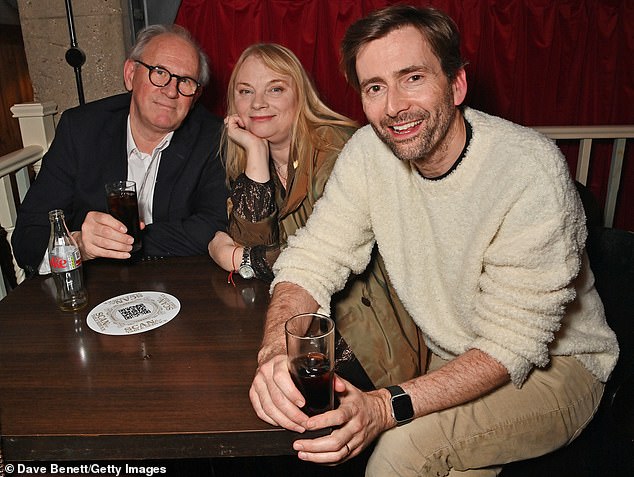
7,220
583,163
614,180
37,126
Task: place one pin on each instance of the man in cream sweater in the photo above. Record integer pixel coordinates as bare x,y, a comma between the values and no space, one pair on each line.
482,233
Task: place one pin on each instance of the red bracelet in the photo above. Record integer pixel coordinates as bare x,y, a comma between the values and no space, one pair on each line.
233,264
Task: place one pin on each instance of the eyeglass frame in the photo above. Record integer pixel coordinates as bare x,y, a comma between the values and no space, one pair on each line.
171,75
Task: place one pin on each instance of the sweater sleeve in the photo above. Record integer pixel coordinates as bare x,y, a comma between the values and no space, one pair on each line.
528,273
337,238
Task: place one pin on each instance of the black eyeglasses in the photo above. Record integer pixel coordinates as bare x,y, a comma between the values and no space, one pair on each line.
161,77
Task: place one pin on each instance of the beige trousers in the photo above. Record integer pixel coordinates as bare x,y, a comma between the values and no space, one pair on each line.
509,424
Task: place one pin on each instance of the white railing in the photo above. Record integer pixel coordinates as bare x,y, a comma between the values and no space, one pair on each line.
585,135
37,129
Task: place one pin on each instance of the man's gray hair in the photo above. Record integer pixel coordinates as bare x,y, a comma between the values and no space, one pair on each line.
152,31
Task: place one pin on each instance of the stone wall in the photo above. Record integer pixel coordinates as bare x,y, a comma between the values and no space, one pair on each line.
99,32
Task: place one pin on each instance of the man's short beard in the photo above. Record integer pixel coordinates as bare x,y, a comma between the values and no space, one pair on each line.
420,148
435,128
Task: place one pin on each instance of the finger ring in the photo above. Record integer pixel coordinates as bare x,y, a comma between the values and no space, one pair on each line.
348,448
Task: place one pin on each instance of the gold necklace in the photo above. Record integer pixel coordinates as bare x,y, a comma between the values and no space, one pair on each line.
278,169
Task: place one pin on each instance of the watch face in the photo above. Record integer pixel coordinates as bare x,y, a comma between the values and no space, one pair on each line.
402,408
246,271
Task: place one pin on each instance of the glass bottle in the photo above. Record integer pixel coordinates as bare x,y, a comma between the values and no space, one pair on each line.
65,261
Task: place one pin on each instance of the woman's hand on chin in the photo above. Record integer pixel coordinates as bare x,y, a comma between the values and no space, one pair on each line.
238,133
257,149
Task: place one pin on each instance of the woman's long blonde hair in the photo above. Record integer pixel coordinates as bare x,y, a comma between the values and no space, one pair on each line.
311,113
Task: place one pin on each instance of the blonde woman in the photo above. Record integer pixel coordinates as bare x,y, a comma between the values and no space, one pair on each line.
280,143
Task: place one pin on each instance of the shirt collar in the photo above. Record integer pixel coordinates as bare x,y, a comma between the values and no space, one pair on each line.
131,145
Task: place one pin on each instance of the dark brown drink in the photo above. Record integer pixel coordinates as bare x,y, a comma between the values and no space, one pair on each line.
123,206
313,376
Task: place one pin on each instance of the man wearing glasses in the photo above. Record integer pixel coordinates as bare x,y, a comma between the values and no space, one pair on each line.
154,135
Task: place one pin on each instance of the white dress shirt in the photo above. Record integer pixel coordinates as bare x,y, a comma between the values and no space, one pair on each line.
143,169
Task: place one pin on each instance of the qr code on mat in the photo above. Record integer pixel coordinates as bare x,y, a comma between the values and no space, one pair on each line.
134,311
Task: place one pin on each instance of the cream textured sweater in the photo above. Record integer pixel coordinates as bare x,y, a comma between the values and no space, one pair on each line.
489,257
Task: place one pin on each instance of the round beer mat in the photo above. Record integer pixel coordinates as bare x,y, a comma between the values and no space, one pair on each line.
133,313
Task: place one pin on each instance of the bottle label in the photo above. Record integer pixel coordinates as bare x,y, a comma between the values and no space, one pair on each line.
64,259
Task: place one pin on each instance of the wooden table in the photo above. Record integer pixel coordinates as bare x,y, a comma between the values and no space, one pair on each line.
178,391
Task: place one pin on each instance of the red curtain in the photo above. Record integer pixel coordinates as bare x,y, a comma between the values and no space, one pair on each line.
535,62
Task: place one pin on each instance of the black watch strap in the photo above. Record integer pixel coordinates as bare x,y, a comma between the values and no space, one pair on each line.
402,408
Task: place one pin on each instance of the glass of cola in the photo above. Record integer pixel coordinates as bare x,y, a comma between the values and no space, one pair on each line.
310,345
123,206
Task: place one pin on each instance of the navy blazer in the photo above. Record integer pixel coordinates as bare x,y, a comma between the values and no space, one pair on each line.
89,149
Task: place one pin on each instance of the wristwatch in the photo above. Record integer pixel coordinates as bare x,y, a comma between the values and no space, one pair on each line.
402,409
246,270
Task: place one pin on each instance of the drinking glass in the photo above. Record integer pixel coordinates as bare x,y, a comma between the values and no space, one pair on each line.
123,206
310,345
